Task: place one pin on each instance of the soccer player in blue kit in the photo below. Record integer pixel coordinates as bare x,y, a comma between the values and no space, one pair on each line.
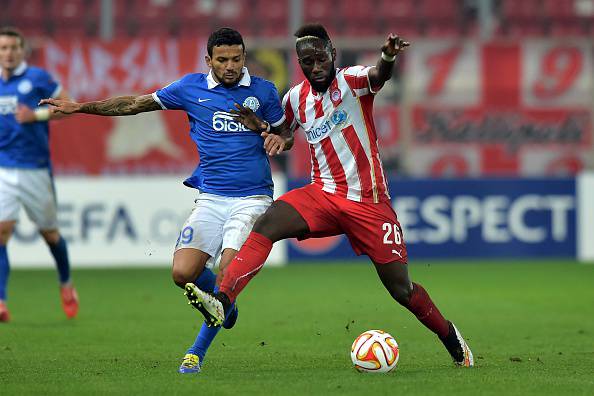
25,167
233,177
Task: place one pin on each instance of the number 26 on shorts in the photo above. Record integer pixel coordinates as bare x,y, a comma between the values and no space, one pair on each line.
393,234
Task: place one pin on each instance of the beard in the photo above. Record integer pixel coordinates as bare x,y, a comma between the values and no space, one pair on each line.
323,86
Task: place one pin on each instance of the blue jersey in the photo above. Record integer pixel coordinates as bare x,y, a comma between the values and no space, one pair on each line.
25,145
233,161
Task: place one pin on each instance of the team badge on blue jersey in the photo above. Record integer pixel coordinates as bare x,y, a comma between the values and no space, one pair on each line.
25,87
251,103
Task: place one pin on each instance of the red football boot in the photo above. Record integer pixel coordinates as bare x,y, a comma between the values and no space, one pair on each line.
4,313
69,301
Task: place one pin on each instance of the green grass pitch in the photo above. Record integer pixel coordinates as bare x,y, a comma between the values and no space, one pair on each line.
530,325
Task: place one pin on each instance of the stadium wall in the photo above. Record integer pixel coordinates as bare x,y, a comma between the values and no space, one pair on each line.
479,218
117,221
585,194
135,221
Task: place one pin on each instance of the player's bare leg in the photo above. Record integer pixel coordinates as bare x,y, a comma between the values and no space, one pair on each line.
280,221
413,297
188,264
226,257
6,228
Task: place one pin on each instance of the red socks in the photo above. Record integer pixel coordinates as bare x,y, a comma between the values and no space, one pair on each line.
255,251
246,264
422,307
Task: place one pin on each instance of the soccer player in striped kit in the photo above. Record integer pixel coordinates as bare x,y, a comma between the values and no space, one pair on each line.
348,193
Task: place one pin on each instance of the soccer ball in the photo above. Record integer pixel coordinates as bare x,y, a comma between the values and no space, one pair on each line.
375,351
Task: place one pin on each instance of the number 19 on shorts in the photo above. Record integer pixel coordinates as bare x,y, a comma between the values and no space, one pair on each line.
185,236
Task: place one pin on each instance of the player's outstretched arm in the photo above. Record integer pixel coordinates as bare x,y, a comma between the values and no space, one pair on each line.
118,106
382,71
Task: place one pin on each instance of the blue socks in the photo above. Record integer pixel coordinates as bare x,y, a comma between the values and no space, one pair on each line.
203,340
4,271
206,280
206,334
60,253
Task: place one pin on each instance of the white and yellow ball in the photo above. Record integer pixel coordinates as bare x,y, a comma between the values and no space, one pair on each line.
375,351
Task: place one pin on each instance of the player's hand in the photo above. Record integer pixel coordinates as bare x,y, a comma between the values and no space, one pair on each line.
24,115
61,106
394,45
273,144
248,118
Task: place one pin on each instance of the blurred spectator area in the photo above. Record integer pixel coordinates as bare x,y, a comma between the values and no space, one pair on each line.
270,18
546,17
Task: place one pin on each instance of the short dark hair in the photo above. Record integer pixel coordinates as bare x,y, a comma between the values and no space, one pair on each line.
224,36
13,32
312,29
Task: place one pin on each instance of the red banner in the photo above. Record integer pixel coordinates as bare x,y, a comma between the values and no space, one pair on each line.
500,109
460,108
155,142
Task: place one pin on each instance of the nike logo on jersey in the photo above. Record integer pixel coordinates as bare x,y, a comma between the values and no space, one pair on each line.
200,100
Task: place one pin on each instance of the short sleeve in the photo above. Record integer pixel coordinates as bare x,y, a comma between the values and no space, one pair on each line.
289,113
47,86
171,96
357,77
272,110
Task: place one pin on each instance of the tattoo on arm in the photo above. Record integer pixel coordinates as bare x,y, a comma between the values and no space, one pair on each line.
121,106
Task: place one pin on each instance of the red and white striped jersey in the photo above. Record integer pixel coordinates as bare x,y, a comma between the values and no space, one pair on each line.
339,128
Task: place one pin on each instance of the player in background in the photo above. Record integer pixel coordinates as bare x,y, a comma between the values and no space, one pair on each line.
348,194
233,178
25,167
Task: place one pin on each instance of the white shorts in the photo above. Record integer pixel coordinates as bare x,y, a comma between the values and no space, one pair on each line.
218,223
32,188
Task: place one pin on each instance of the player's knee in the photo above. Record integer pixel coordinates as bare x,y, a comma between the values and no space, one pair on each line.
401,292
5,233
181,276
4,237
265,225
51,237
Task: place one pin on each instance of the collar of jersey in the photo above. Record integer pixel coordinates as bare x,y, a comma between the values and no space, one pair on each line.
246,80
20,69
